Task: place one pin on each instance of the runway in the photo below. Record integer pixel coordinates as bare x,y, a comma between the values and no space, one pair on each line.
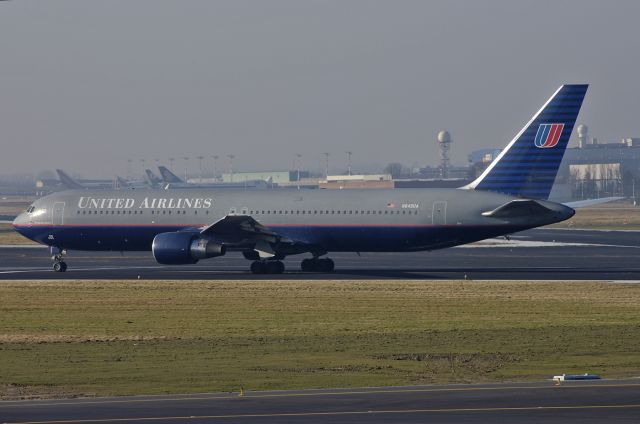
541,254
572,402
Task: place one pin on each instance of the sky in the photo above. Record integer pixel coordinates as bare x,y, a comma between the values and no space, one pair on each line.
88,85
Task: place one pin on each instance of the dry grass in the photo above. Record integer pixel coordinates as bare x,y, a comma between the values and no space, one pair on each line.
613,216
9,236
135,337
13,205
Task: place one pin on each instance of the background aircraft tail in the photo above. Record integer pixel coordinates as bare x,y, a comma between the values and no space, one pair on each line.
527,167
168,176
152,179
68,181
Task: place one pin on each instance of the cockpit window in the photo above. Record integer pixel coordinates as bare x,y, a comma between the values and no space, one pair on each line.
31,209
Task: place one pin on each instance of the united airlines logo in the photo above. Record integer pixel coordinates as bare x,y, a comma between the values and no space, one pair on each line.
548,135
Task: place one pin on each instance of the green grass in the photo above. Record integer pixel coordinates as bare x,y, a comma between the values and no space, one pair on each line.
73,338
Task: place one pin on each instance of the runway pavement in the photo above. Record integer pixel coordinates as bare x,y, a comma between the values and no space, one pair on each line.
572,402
541,254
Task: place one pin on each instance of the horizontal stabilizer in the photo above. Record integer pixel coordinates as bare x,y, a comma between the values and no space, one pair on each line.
517,208
591,202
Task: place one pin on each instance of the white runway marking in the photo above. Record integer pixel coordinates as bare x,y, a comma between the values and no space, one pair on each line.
526,243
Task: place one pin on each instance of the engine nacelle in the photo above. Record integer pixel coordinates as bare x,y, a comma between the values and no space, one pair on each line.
181,248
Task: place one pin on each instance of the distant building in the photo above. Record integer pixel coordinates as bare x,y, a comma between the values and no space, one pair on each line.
601,169
275,177
357,181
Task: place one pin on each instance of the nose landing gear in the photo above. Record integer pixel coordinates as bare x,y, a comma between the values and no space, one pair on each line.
59,265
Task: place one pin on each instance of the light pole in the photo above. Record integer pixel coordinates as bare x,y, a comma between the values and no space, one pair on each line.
171,163
215,159
186,162
142,161
326,164
231,166
298,157
129,169
349,162
200,165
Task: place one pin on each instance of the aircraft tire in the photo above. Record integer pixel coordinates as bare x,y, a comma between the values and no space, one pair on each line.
258,267
330,265
60,266
317,265
274,267
325,265
307,265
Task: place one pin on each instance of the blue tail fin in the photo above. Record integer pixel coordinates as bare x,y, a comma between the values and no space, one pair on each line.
527,167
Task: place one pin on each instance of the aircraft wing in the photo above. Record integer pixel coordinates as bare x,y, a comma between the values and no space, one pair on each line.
238,225
245,230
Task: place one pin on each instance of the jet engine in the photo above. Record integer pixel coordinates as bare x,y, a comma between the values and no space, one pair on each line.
181,248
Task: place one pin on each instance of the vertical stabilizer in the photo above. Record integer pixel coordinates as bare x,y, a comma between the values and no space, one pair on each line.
527,167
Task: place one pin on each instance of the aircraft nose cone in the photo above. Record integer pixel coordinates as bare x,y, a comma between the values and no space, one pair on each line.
19,220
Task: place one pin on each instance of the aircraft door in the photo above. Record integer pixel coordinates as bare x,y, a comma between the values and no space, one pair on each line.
439,215
57,214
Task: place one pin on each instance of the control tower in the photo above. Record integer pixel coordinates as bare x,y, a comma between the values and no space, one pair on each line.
583,135
444,141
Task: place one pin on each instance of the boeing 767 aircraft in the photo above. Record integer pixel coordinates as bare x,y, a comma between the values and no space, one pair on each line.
185,226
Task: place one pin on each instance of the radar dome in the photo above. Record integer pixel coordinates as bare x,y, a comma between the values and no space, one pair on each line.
444,137
582,130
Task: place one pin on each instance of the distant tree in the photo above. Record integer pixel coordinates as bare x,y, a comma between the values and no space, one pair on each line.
395,169
46,175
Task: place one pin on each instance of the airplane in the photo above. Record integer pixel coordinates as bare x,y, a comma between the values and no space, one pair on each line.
182,227
172,181
73,184
169,177
119,183
152,179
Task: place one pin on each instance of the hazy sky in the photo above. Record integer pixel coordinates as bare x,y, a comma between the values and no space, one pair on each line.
85,85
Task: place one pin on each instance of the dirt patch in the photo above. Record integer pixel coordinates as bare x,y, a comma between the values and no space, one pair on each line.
67,338
468,362
18,392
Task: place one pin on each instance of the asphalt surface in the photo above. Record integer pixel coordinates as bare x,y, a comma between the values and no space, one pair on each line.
534,255
571,402
541,254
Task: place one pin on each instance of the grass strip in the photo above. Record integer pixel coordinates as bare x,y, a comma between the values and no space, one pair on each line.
65,338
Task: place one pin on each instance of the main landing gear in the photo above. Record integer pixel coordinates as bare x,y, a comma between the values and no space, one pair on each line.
317,265
59,265
277,267
267,267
